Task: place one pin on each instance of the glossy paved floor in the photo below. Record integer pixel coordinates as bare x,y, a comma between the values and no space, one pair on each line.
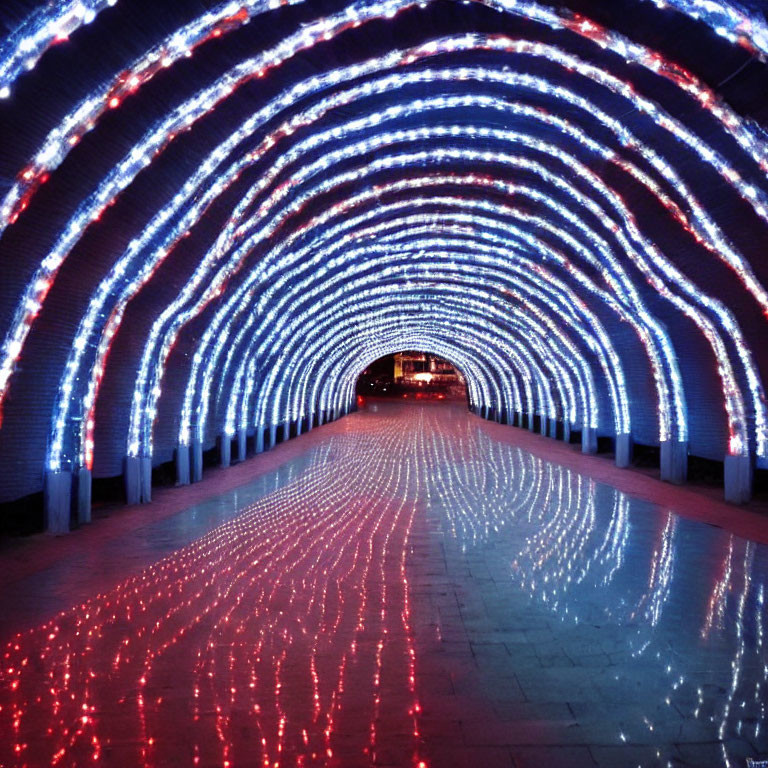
405,589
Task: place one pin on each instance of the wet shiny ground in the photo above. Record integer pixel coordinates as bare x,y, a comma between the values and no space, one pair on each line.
409,591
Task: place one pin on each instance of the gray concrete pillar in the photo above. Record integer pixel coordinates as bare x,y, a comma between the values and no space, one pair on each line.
242,444
299,426
674,461
259,439
553,428
272,436
146,479
286,430
588,439
182,465
132,479
225,450
57,501
623,450
566,431
543,425
531,422
196,455
738,474
84,482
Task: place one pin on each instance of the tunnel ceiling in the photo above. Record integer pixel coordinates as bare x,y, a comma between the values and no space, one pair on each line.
214,216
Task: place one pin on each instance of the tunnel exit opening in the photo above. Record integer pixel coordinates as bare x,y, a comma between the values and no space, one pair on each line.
412,375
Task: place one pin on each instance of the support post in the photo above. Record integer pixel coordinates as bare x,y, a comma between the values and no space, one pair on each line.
242,444
57,500
84,482
553,428
738,475
320,418
146,479
566,431
259,439
531,422
196,453
132,479
286,430
588,439
674,461
225,450
543,423
299,425
623,450
182,465
272,435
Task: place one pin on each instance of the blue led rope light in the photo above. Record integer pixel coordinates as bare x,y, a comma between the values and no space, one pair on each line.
739,443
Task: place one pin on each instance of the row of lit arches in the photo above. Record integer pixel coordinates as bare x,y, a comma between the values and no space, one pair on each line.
436,195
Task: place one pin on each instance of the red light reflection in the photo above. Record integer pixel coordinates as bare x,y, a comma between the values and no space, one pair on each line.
280,638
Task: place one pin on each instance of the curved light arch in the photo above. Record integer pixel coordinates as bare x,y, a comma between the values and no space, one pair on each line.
318,256
502,397
676,211
342,382
404,231
473,309
761,442
401,330
380,272
704,324
394,318
488,263
616,233
87,114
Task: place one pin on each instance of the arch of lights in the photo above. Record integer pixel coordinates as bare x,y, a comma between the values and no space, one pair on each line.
492,395
510,233
53,25
462,280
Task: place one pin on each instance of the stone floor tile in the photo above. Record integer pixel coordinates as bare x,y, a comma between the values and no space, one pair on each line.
371,605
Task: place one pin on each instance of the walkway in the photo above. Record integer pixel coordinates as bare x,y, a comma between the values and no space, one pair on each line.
405,587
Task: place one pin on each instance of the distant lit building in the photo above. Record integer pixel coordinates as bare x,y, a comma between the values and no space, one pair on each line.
423,368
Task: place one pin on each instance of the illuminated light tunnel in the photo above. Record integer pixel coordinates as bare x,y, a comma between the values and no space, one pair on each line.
213,222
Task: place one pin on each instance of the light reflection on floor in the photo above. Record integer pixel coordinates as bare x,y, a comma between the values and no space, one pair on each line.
416,594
